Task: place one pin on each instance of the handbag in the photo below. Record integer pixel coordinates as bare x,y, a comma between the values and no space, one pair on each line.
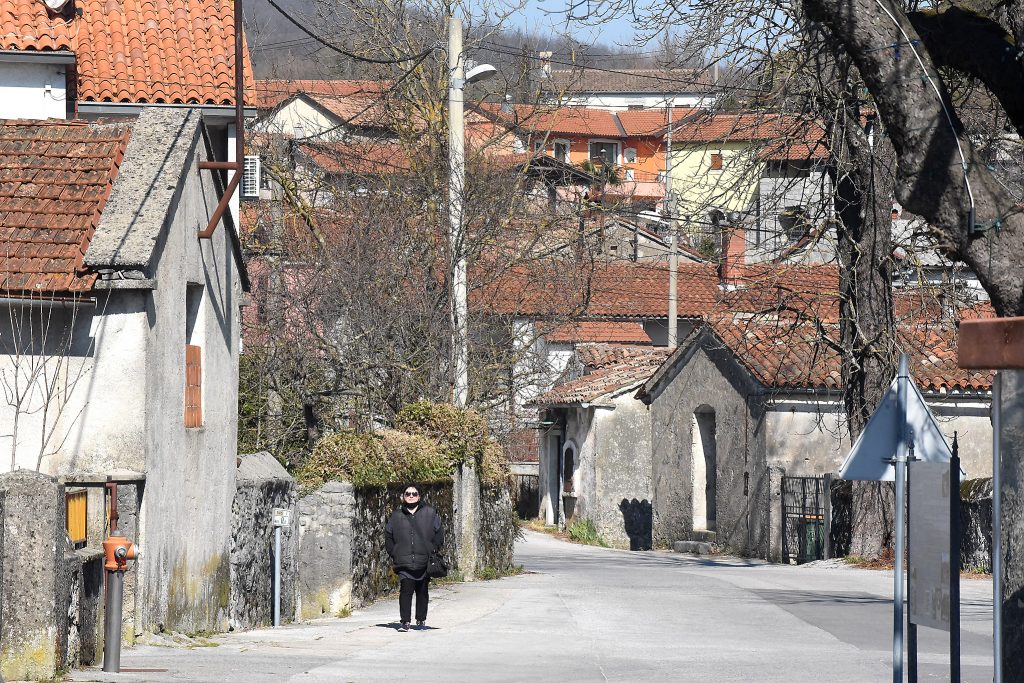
436,566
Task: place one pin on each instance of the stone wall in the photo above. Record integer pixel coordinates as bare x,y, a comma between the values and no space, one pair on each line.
33,634
498,529
976,524
342,560
262,484
371,567
325,550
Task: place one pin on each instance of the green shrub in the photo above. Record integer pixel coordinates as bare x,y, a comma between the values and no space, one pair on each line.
585,531
374,459
461,433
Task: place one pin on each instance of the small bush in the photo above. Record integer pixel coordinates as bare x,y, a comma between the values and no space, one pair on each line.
374,459
585,531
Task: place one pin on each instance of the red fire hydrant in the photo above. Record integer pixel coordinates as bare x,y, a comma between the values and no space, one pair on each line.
117,551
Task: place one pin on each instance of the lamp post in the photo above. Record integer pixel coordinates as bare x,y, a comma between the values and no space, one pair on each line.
457,82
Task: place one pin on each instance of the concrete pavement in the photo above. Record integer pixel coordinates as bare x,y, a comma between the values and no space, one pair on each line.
592,614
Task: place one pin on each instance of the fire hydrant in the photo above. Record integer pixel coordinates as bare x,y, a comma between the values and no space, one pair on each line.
117,551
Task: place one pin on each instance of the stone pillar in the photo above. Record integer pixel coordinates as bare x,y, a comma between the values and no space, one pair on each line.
325,550
1011,472
467,519
775,475
33,548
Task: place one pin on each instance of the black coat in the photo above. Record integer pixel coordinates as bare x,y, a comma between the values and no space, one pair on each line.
406,547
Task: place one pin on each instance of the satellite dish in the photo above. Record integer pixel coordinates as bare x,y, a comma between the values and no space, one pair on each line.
55,5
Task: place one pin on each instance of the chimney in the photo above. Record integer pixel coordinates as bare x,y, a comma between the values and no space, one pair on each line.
545,63
731,268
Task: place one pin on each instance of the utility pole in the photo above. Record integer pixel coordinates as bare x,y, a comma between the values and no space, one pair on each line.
673,254
456,182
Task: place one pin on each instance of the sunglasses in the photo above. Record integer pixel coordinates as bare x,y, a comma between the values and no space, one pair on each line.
411,494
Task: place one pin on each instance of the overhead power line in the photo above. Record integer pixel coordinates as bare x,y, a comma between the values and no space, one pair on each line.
346,53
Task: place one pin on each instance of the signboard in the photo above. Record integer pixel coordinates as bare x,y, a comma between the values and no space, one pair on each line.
282,517
877,444
928,554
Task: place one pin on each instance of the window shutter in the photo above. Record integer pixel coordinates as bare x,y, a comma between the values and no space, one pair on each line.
76,508
716,162
193,386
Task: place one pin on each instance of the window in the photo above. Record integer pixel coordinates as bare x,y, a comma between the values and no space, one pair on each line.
716,162
629,175
606,153
629,156
568,466
76,508
194,337
634,107
251,177
538,145
562,151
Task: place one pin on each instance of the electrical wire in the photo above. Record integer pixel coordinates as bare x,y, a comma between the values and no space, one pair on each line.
346,53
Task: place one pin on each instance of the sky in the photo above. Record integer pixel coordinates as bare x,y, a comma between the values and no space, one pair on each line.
549,16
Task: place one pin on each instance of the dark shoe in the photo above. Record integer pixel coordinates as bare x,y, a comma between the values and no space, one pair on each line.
421,624
404,628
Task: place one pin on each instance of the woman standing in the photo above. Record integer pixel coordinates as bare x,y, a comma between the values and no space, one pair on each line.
413,532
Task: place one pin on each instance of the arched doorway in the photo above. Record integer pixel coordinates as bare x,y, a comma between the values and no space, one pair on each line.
703,459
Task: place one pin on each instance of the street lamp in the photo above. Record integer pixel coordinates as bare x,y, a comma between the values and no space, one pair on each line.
457,82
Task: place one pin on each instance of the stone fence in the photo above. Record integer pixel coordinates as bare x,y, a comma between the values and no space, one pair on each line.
342,561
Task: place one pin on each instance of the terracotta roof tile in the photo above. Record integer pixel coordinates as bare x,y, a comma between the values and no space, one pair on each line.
559,120
599,332
270,93
358,158
136,50
609,370
788,353
44,234
650,122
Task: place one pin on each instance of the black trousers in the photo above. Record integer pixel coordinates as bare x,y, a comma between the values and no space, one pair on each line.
406,588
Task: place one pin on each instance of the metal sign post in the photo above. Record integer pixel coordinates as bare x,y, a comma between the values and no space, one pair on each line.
282,517
997,532
954,565
901,485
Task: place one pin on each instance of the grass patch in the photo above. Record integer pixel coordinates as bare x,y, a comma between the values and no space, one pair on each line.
585,531
345,612
492,573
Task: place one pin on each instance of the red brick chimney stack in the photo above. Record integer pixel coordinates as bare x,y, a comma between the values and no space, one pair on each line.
732,268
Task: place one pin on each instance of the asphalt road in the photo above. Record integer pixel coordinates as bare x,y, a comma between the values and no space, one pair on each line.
591,614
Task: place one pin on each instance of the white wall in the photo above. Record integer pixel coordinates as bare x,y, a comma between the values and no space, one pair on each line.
33,91
808,438
299,119
621,101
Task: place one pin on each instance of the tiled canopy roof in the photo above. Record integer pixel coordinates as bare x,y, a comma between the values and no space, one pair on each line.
614,369
54,180
155,51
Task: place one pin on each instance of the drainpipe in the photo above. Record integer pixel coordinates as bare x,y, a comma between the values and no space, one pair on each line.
238,164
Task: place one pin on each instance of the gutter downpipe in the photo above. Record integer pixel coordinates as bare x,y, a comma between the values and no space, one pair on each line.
239,163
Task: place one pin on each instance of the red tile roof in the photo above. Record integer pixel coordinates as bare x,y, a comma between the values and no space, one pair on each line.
600,332
605,289
140,51
358,158
785,136
618,370
650,122
55,177
788,353
270,93
559,120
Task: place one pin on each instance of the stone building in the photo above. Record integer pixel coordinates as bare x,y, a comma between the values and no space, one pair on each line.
595,459
744,401
120,329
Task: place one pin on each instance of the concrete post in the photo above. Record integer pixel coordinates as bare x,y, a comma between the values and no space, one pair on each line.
33,530
467,518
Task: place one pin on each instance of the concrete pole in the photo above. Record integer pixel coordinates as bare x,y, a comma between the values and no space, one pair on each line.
277,575
456,182
673,254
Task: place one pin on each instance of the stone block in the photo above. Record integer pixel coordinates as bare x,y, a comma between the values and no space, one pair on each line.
31,636
262,484
694,547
